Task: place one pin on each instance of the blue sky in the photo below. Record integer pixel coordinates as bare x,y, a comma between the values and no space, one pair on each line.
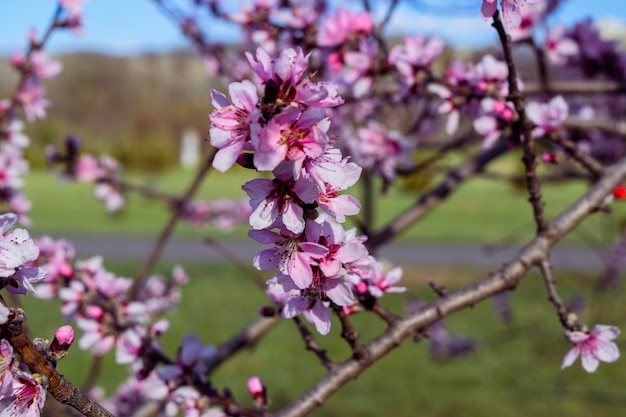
133,26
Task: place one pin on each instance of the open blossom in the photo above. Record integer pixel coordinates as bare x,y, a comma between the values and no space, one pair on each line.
548,117
413,55
511,14
559,46
28,396
283,78
17,251
592,347
338,28
379,150
292,135
230,122
293,257
43,66
32,98
499,115
6,369
280,198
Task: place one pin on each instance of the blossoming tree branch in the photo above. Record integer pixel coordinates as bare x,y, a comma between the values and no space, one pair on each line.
318,102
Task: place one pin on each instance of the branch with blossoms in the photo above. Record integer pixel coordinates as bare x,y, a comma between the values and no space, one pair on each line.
592,346
284,116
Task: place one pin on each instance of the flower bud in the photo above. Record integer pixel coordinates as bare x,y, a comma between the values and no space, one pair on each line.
63,339
257,389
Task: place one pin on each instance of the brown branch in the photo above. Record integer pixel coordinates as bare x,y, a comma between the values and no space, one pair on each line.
590,163
60,388
507,277
431,199
384,314
553,295
523,126
311,344
348,332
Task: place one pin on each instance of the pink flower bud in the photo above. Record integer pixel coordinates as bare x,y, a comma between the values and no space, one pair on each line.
65,335
94,312
548,158
63,339
257,389
255,386
361,287
16,60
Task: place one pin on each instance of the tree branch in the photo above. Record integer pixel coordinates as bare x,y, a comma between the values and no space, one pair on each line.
507,277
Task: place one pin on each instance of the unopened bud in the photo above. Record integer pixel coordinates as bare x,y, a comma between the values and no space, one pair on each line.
63,339
258,391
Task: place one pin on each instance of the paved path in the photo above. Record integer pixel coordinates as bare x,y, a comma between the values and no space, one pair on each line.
194,249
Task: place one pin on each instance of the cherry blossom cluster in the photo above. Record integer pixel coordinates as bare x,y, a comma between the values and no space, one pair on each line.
301,209
34,66
107,308
17,252
30,96
21,393
102,171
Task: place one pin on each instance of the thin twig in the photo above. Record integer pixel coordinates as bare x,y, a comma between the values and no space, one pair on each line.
311,344
589,162
348,332
553,295
523,127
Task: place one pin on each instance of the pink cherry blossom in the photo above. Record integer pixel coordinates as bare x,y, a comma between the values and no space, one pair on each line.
56,256
548,117
446,107
382,281
12,132
6,369
31,97
380,150
279,199
558,46
74,7
511,15
230,123
338,28
499,116
592,347
292,256
28,396
291,135
17,252
42,66
531,16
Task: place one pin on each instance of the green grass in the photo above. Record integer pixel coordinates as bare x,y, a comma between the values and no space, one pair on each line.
480,212
514,372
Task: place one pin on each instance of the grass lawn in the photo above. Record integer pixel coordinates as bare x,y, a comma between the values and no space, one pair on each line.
480,212
514,371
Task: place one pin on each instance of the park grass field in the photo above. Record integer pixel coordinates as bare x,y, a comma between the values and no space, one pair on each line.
482,211
514,372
